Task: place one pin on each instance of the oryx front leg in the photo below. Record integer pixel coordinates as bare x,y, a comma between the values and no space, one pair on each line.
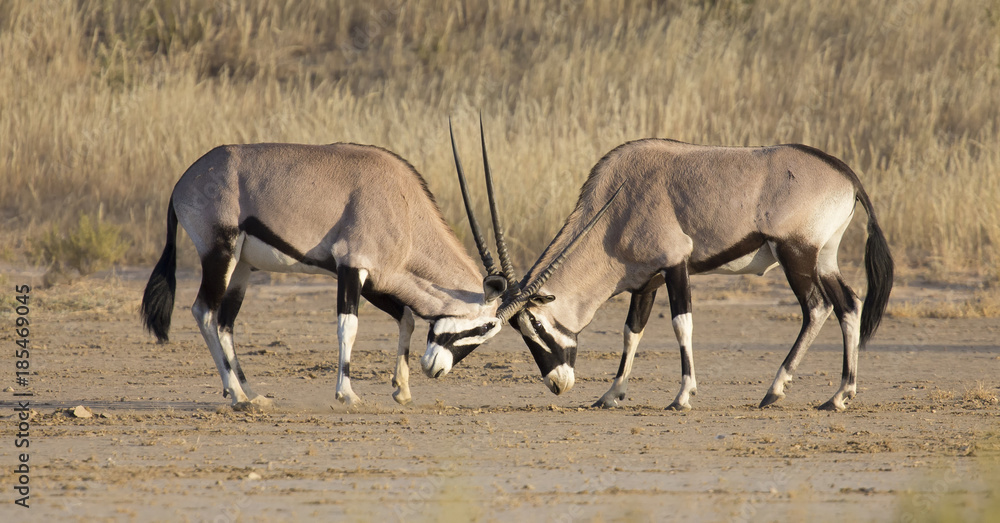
401,377
218,266
679,288
349,282
635,324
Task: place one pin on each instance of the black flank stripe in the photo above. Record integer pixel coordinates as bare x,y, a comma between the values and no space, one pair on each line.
745,246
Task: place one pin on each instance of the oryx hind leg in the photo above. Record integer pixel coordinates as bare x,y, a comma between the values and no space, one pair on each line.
349,283
228,310
218,266
679,289
847,307
638,314
799,264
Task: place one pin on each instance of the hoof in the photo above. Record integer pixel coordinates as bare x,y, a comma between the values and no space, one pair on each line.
348,399
679,407
606,403
769,399
832,406
401,397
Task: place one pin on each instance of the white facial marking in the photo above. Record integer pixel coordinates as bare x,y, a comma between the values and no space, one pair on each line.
557,335
437,361
561,379
456,325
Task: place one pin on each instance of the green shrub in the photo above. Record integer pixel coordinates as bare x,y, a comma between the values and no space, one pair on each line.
91,246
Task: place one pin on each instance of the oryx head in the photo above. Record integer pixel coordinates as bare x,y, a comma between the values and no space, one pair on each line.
451,338
523,305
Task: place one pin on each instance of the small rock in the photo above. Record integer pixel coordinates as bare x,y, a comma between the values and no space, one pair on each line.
9,389
253,476
82,412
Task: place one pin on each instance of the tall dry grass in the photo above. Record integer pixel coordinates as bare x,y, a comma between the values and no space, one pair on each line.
108,101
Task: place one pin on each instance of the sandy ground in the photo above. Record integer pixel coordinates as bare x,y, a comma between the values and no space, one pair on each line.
489,442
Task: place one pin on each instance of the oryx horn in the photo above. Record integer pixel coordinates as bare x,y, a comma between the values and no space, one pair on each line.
518,301
505,264
484,251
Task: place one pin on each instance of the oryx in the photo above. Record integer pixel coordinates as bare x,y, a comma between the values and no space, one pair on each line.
689,209
356,212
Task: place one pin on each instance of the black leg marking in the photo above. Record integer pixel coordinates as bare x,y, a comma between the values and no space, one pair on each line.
679,289
348,290
349,283
638,314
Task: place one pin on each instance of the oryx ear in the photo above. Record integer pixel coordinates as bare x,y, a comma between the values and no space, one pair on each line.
493,288
542,299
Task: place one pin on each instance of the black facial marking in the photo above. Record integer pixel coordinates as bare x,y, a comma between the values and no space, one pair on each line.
446,339
547,361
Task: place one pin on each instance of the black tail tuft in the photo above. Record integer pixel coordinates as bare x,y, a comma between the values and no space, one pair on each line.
158,298
879,271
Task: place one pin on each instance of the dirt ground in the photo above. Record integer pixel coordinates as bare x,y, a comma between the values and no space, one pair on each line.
489,442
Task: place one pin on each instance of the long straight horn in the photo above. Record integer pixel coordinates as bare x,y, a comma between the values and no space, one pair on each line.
484,251
509,309
508,268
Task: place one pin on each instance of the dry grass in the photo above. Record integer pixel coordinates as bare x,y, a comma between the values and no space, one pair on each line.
982,304
980,395
108,101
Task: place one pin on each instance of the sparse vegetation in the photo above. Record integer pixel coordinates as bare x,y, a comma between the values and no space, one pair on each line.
984,303
90,246
107,102
980,395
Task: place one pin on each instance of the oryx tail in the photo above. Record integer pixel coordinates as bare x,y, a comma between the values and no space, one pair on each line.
158,298
878,270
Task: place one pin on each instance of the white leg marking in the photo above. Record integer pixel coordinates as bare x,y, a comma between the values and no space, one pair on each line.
683,327
619,386
347,331
209,326
401,378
